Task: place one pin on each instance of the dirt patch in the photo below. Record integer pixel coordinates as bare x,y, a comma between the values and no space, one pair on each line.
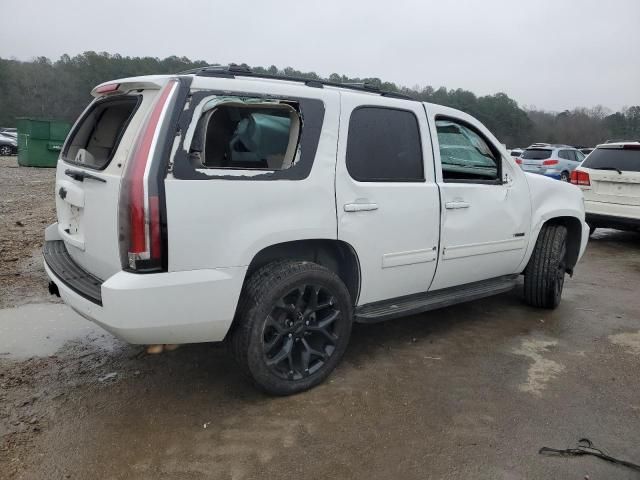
542,370
631,341
26,207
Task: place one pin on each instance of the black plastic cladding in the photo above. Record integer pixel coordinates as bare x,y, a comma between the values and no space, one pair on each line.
311,119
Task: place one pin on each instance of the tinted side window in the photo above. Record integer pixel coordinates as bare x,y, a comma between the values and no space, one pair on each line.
564,154
384,146
465,155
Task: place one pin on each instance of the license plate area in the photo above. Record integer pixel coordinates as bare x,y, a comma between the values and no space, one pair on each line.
618,189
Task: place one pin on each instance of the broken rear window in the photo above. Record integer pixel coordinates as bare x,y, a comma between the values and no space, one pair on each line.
95,139
247,135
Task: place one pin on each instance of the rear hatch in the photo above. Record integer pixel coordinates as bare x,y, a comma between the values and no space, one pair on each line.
89,174
533,159
614,174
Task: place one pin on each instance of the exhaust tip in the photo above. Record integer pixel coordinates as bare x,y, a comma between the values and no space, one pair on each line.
53,289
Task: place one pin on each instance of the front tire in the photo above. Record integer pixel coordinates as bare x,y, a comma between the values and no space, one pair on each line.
565,177
5,151
544,275
292,326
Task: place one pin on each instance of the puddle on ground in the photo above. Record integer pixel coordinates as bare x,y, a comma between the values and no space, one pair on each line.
39,330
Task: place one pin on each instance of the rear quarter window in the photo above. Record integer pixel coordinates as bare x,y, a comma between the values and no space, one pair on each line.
614,158
95,139
536,154
248,136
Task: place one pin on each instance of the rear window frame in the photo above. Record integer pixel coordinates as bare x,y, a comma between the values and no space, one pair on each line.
92,106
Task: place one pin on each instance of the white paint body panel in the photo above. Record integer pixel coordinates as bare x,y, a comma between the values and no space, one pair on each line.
216,227
488,237
225,223
397,242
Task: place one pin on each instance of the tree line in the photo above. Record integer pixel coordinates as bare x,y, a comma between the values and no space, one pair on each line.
59,89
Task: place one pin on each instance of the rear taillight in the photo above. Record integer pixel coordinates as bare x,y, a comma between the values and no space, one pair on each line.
140,208
519,161
578,177
550,162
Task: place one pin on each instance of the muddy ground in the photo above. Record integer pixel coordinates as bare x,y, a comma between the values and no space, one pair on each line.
471,391
26,208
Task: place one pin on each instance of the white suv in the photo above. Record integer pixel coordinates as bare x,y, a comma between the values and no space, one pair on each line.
610,181
219,204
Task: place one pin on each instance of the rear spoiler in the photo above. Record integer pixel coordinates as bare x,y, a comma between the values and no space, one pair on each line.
122,86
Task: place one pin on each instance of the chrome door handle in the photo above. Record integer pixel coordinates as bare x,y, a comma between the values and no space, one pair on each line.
360,207
457,204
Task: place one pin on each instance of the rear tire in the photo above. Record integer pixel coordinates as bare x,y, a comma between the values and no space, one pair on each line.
5,151
544,275
292,326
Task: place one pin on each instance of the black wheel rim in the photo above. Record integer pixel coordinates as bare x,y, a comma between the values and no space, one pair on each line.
301,332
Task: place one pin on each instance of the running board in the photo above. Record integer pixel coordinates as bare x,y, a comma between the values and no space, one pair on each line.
423,302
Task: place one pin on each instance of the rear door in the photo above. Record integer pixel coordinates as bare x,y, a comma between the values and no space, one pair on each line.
387,202
88,179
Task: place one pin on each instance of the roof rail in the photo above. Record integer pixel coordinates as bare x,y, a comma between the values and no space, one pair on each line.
233,70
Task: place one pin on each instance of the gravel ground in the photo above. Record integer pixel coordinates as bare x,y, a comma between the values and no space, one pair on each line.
471,391
26,208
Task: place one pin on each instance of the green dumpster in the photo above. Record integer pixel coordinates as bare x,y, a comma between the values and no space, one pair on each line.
40,141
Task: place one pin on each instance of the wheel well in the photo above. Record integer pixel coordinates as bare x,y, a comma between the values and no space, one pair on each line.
337,256
574,238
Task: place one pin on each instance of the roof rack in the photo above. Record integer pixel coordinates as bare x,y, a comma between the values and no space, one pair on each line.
232,70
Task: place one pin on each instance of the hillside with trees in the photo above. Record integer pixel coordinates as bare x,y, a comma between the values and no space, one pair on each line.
60,89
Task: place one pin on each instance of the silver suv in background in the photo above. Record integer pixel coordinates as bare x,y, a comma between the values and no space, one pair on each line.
556,161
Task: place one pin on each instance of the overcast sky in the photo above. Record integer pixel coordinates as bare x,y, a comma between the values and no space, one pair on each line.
551,54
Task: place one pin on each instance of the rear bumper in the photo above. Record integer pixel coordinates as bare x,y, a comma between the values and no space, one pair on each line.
612,215
170,307
610,221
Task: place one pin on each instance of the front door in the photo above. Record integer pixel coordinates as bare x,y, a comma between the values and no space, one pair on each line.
486,207
387,202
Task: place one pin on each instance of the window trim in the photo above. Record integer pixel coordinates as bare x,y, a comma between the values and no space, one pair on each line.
383,180
496,152
99,102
